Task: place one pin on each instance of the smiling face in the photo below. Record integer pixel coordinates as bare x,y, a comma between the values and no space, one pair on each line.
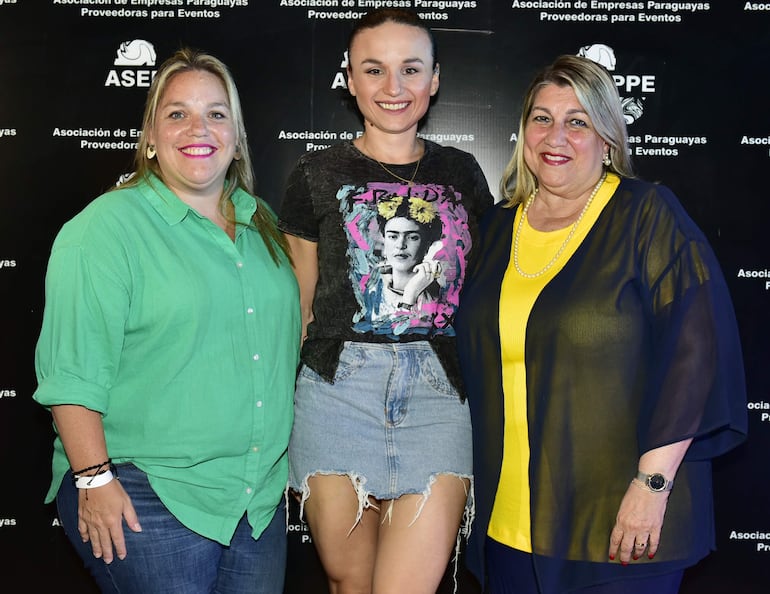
194,135
391,75
561,147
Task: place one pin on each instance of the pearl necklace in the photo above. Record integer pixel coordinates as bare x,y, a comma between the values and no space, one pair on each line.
550,264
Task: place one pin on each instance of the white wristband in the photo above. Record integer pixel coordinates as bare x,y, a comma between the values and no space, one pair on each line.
97,480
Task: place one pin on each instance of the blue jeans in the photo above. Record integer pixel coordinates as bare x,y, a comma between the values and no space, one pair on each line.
168,557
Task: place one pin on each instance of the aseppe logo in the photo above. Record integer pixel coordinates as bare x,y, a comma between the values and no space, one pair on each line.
135,53
599,53
628,83
131,55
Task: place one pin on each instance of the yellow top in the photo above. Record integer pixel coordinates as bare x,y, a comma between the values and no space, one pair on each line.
510,521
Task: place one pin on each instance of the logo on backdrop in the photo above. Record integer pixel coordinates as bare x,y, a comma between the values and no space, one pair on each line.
602,54
633,107
339,77
124,177
648,145
131,56
135,53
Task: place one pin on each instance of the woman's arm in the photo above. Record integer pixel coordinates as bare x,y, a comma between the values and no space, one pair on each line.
640,517
101,509
81,433
304,255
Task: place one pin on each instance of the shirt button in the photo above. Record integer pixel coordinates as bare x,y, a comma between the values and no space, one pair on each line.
259,404
248,490
250,310
255,449
256,357
239,264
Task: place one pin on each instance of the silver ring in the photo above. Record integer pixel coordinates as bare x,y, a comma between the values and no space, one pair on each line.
641,545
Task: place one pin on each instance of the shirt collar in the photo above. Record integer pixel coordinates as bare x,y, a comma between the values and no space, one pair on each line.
173,210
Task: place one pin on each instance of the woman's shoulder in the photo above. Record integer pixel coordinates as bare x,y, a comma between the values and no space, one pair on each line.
105,215
498,216
321,157
655,203
115,202
446,152
642,192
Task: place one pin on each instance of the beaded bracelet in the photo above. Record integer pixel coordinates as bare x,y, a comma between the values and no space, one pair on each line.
96,467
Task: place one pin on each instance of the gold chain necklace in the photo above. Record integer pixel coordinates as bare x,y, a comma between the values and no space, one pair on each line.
517,235
409,182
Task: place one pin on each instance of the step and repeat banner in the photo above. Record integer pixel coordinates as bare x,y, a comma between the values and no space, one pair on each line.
73,78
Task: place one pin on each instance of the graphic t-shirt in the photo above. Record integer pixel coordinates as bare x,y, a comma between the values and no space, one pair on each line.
392,255
406,247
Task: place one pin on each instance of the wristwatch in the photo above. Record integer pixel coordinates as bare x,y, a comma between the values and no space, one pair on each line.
655,482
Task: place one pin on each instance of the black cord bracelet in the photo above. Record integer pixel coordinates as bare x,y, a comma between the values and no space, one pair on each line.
91,477
94,467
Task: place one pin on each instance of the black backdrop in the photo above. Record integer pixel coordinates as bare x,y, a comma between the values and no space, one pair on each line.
73,78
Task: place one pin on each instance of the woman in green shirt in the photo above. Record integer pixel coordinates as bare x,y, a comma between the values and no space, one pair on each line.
167,356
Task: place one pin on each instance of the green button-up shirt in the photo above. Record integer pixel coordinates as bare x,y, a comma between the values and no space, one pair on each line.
185,341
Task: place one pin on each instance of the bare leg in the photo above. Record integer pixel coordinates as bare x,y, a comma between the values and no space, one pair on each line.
413,550
347,549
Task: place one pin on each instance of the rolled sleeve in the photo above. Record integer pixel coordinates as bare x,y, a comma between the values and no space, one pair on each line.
78,351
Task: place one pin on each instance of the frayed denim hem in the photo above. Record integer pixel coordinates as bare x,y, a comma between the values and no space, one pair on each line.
365,497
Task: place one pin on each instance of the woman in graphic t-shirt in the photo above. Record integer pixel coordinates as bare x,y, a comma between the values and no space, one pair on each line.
381,232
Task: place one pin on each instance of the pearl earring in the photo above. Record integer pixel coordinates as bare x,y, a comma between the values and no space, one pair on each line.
606,160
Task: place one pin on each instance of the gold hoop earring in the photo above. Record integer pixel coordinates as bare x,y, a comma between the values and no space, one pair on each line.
150,152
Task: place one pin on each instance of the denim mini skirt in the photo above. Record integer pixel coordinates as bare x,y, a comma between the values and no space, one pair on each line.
391,421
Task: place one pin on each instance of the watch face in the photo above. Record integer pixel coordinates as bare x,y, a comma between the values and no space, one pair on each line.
657,482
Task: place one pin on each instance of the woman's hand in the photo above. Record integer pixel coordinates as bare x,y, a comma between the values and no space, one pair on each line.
638,524
101,511
640,517
425,273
